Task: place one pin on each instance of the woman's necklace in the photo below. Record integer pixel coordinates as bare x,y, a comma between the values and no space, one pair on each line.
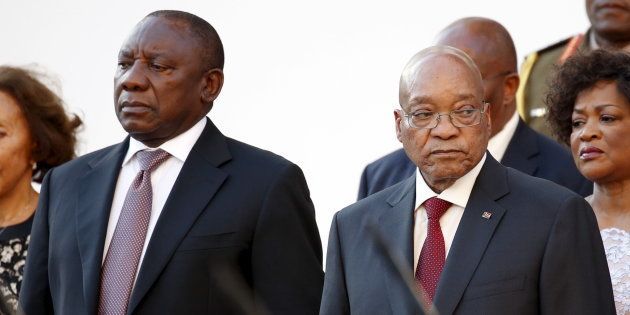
17,214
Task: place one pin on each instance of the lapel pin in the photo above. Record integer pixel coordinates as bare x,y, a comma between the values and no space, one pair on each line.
486,215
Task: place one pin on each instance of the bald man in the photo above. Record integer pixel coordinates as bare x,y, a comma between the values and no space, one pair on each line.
512,142
475,243
610,30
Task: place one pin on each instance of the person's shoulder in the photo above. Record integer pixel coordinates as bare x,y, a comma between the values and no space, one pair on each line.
391,160
558,160
241,150
538,191
259,164
90,158
373,205
552,149
555,47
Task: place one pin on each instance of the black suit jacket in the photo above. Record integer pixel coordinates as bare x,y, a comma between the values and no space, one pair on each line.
237,235
540,252
528,151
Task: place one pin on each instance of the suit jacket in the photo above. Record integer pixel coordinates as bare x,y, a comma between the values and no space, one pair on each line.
540,252
528,152
237,235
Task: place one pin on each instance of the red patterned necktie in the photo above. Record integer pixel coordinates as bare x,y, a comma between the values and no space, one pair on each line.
432,256
121,262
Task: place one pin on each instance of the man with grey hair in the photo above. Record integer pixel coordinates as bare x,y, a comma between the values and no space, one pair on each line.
474,243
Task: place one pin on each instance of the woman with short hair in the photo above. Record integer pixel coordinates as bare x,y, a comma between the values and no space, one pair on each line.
589,109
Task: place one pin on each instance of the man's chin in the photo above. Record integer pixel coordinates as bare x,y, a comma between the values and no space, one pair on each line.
446,171
137,126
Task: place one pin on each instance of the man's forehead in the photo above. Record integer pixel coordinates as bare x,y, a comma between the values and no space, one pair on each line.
439,75
433,67
158,35
430,60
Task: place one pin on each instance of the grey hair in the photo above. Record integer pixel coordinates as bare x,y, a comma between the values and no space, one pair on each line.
408,76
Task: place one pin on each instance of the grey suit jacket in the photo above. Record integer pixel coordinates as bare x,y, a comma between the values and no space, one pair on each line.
539,252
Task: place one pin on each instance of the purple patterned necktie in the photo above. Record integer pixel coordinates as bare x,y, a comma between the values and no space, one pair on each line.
432,256
121,262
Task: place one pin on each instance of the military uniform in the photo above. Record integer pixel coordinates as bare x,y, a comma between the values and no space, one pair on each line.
536,72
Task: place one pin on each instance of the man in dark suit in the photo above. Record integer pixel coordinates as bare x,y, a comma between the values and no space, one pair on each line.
483,238
512,142
226,228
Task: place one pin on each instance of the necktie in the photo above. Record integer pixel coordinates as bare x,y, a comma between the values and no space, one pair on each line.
121,262
432,256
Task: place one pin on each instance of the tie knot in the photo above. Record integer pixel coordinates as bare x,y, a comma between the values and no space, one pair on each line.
149,160
436,207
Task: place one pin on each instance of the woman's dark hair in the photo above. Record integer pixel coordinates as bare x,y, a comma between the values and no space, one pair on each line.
580,73
52,131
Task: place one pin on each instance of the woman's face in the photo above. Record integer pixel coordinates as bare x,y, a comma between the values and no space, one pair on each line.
600,138
15,147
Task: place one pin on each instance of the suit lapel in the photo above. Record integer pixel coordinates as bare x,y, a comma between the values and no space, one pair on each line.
198,181
522,151
93,207
473,235
396,228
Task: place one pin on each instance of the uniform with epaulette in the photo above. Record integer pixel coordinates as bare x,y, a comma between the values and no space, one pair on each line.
536,72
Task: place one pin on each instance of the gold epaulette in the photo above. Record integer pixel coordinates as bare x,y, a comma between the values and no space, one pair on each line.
526,70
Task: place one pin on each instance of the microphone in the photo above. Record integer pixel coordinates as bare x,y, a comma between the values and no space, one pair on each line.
235,288
402,269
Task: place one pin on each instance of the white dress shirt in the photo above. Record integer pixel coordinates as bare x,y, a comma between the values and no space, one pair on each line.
457,194
162,179
498,144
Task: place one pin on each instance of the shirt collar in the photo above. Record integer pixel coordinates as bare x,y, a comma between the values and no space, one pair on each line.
457,194
498,144
179,147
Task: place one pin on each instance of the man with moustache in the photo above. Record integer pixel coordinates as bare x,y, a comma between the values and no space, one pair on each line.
177,218
511,142
610,30
476,242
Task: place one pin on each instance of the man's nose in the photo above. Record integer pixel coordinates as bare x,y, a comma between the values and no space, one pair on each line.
134,79
445,128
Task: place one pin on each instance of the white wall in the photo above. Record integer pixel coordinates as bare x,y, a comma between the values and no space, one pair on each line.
314,81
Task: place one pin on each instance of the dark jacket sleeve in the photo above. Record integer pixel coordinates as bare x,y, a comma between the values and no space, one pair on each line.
335,296
35,297
363,185
286,248
574,277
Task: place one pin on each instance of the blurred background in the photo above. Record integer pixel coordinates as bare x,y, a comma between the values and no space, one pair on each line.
313,81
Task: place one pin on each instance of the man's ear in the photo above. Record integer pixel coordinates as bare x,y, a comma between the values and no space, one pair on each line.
399,120
212,84
510,86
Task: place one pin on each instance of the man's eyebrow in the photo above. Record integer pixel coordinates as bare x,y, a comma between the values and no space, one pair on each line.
125,53
426,99
465,96
422,99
